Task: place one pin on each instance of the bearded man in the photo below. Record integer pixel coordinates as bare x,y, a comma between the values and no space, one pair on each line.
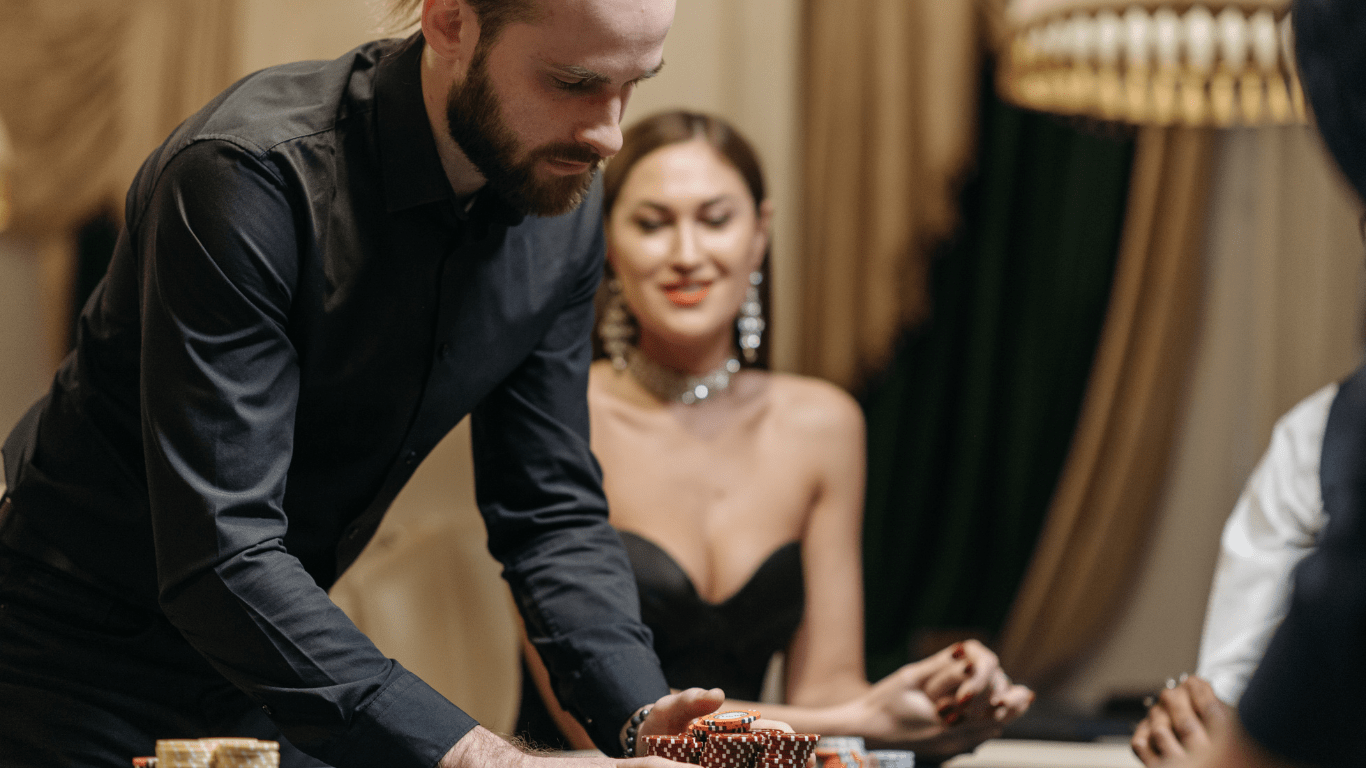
319,274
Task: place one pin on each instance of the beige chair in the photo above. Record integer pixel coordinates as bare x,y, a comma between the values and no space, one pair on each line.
428,593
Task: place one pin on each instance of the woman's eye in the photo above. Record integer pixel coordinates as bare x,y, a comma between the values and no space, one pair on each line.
717,220
649,225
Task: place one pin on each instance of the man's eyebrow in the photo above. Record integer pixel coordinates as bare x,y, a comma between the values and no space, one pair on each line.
587,76
652,72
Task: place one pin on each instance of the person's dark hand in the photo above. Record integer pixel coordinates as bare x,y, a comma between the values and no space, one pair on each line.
1184,720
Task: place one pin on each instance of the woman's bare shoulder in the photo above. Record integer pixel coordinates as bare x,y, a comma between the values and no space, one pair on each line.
814,406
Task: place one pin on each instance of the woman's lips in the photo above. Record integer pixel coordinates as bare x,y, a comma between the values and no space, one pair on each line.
686,295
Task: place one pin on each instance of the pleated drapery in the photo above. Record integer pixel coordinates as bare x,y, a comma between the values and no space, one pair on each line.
87,89
969,428
890,91
1102,510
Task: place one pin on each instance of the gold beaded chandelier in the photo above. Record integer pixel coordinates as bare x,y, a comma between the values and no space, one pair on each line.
1218,63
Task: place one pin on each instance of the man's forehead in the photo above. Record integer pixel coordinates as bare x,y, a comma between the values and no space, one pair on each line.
603,39
640,21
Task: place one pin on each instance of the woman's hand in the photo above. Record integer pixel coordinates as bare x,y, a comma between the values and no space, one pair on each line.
942,705
1182,723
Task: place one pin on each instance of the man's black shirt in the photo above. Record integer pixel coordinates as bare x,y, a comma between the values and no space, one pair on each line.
296,313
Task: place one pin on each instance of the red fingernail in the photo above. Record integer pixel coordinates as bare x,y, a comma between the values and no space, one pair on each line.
959,652
967,670
945,710
965,698
951,719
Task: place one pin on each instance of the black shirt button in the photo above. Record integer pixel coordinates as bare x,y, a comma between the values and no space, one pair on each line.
266,709
410,458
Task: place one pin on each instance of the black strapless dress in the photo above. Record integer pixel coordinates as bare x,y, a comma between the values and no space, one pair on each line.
700,644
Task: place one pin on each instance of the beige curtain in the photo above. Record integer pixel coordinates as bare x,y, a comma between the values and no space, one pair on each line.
429,594
891,99
1103,506
1280,317
87,89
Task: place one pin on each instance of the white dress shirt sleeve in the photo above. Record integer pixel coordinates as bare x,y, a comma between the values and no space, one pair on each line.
1273,526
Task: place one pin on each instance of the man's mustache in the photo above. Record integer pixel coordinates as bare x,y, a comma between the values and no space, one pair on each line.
574,153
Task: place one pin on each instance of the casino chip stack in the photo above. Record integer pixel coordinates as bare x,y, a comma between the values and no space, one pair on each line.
893,758
183,753
246,753
725,740
214,753
786,750
680,749
731,749
841,752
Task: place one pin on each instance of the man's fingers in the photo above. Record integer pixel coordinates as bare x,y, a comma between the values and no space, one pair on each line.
1142,745
772,725
1213,712
1176,703
1163,738
672,713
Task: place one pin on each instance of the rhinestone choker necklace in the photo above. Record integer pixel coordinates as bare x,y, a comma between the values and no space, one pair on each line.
672,386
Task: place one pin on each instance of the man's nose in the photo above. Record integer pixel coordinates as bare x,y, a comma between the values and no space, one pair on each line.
602,132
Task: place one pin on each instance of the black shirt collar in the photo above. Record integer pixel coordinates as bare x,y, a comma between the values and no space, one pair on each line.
413,174
412,168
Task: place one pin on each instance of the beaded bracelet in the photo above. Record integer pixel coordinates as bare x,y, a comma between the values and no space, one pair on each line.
628,738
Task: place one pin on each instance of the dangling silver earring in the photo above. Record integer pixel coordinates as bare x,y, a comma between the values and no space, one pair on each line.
616,329
751,320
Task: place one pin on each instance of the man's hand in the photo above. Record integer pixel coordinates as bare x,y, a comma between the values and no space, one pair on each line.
672,713
1183,722
480,748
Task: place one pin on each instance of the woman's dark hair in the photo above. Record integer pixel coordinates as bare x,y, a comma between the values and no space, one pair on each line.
675,127
1330,53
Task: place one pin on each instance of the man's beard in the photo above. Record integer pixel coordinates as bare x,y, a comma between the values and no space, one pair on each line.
475,118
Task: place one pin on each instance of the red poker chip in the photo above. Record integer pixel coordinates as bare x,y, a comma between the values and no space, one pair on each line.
730,720
743,737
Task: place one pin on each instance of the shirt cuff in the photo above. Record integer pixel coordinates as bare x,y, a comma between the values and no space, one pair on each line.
407,724
611,689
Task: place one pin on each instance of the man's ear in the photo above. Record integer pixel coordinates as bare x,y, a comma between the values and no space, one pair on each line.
450,30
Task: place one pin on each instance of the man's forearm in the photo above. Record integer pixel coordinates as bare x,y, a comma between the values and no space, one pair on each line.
480,747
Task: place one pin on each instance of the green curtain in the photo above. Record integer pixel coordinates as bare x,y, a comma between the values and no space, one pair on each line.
970,424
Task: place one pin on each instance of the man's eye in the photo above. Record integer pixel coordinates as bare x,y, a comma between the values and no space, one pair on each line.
569,85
